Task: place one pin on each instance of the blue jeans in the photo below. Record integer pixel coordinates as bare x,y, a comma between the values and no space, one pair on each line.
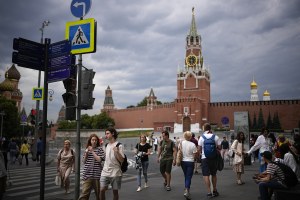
145,165
265,186
262,166
188,170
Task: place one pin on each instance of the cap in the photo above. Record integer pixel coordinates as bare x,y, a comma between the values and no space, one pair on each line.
267,154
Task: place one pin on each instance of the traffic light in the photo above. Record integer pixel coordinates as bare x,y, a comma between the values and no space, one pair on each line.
70,96
87,88
32,116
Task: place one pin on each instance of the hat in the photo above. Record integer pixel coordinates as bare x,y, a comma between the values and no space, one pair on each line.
267,154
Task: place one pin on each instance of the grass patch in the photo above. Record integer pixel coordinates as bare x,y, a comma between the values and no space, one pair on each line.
129,134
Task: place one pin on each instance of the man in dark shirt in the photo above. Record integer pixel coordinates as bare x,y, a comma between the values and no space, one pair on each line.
225,147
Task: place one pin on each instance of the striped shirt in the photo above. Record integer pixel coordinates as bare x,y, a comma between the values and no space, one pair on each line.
93,168
275,172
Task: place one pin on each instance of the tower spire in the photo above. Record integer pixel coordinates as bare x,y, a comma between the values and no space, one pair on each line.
193,28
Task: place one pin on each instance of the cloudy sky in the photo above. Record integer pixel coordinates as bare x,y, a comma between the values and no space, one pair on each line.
141,43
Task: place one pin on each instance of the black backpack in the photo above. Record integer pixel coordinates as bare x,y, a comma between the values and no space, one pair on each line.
124,164
290,178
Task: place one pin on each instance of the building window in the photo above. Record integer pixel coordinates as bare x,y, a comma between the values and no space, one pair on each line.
186,110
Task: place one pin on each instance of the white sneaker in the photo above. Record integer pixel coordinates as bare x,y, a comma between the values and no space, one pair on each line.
146,185
139,189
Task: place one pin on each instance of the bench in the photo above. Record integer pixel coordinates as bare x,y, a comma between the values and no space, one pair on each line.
290,194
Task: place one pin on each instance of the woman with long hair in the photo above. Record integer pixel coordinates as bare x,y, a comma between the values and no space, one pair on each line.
238,160
92,158
142,151
66,165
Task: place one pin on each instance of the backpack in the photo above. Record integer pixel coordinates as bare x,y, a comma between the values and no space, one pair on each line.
124,164
290,178
210,150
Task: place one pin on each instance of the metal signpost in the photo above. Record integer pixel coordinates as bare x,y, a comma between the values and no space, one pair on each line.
82,37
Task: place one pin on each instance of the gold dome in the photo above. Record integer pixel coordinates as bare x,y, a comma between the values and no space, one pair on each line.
266,93
6,85
253,85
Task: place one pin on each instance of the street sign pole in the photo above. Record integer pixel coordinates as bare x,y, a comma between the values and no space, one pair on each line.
44,127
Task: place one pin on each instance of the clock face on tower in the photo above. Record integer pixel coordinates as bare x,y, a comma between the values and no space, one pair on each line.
191,60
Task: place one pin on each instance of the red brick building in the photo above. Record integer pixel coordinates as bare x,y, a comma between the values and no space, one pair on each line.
192,107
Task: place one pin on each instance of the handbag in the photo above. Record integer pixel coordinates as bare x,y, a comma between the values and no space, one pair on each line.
58,180
231,153
220,162
179,155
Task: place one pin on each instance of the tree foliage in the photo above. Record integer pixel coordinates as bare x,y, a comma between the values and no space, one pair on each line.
11,119
261,121
100,121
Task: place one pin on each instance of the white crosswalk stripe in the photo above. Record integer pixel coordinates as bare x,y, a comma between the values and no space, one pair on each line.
26,183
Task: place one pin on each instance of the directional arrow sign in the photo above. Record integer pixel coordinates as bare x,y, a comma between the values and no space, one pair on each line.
59,48
58,74
80,8
28,61
28,47
61,61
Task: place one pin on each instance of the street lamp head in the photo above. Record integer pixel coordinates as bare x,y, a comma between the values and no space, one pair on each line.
50,98
50,92
46,23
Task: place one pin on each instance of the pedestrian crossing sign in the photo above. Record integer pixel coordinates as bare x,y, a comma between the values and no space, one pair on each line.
37,93
82,34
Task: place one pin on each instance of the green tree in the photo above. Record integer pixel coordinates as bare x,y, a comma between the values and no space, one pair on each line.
254,125
276,121
65,124
86,121
142,103
261,121
131,106
102,121
11,119
269,122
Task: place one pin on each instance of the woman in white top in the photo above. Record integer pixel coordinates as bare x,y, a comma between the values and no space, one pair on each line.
262,143
289,157
189,151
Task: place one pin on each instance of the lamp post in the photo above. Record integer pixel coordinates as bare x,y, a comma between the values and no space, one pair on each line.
44,24
51,93
2,113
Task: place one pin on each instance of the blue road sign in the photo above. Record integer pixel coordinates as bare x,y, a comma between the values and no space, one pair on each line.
59,48
79,8
82,34
37,93
28,61
60,61
28,47
225,120
58,74
23,118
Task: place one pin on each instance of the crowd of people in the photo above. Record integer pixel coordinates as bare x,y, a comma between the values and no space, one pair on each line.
102,162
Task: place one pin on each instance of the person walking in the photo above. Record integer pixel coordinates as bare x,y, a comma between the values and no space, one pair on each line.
155,143
142,151
13,151
189,152
224,147
166,157
208,146
112,173
39,149
263,144
238,160
92,158
66,165
24,152
3,176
